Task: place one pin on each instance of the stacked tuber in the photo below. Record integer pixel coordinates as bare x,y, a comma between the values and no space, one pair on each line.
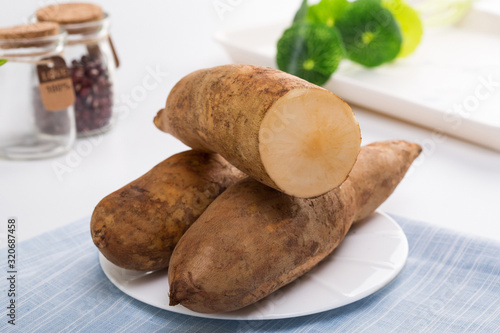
230,240
138,226
283,131
260,239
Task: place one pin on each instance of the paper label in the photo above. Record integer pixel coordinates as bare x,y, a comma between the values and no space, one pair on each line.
56,85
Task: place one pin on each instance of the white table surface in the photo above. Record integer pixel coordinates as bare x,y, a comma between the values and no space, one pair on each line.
453,184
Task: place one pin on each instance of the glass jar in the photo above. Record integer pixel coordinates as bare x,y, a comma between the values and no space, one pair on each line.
92,61
28,129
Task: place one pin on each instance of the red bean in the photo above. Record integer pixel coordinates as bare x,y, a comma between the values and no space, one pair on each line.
93,92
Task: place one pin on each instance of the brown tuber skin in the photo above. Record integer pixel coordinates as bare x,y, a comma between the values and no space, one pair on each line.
253,240
138,226
223,110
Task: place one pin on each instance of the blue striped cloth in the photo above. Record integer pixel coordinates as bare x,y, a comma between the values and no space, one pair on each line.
451,283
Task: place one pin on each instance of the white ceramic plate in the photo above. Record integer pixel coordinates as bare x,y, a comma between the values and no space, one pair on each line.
370,256
451,84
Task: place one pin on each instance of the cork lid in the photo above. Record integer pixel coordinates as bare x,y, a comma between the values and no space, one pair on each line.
28,31
70,13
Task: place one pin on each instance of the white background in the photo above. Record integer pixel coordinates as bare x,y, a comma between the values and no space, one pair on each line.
453,184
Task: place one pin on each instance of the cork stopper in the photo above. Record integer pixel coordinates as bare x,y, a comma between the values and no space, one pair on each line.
70,13
29,31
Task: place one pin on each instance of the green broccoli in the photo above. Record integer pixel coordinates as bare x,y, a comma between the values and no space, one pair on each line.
370,33
327,11
310,51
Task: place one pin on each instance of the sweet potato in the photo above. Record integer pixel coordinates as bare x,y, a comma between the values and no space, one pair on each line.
277,128
253,240
138,226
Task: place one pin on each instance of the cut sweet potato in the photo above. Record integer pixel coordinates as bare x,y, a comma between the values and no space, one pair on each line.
277,128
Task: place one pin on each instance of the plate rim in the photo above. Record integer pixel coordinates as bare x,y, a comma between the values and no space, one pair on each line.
103,262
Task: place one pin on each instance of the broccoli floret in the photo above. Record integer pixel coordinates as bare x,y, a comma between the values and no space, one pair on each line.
301,14
370,33
327,11
310,51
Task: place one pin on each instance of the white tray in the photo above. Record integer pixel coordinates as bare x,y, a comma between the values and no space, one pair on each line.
449,68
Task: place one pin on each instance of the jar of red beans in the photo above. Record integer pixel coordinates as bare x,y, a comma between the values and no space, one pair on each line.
36,93
92,61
